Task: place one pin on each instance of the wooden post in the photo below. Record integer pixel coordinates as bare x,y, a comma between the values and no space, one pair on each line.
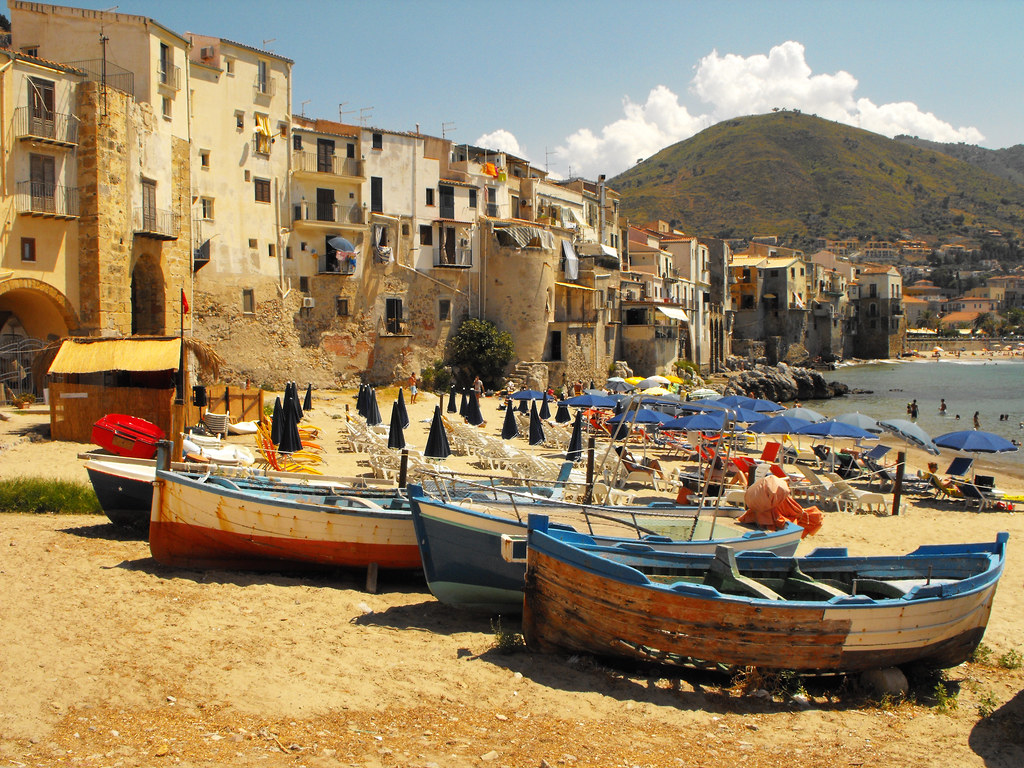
403,468
371,578
588,494
897,491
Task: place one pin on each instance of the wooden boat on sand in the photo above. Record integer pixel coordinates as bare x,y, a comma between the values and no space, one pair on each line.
460,542
826,612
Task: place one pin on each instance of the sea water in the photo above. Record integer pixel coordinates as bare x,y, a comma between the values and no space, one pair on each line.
991,387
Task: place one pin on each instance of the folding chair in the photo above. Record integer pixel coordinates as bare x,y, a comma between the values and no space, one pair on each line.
960,467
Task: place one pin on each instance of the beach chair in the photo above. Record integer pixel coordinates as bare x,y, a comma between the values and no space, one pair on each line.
771,450
856,500
217,423
960,467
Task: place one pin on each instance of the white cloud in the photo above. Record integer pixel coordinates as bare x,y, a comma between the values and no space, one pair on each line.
502,140
735,85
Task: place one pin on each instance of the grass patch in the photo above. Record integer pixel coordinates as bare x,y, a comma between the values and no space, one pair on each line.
505,640
61,497
1011,660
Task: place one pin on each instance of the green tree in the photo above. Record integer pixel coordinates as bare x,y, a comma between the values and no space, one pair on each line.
478,348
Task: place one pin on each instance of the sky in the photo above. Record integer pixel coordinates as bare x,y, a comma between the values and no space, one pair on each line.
589,87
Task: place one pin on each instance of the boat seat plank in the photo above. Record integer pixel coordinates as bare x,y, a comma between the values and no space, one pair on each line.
724,576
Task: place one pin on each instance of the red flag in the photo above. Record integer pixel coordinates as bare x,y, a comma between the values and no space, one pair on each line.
184,303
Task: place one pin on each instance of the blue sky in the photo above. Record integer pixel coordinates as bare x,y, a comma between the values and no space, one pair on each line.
590,87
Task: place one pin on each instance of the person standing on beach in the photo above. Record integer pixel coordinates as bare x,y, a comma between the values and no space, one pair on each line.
977,420
913,410
412,388
478,387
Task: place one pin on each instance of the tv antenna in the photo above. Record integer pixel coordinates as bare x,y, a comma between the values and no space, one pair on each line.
547,158
342,112
445,127
269,40
364,114
303,106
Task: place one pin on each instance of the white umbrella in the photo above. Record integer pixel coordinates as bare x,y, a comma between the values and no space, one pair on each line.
653,381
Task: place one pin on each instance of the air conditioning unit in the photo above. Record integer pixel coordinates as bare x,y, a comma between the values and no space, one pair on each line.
206,53
308,301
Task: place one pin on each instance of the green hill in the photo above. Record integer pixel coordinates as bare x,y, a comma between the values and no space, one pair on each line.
799,176
1007,163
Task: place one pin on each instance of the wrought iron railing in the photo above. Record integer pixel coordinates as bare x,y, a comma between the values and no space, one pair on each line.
170,76
264,87
55,127
329,213
461,257
100,71
311,162
155,222
42,199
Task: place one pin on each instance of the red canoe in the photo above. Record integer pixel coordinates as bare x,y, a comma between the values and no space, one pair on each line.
127,435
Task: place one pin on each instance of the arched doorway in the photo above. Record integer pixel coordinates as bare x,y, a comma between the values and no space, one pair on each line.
32,314
149,317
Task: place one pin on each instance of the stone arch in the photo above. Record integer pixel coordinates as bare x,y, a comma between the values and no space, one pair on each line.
43,311
149,296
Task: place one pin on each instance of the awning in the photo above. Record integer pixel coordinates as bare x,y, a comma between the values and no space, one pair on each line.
574,215
117,355
607,250
572,262
674,313
524,237
577,287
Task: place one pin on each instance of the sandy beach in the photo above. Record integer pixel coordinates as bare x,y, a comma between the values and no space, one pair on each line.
111,659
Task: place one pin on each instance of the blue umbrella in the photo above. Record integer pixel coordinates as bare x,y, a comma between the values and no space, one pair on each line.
698,422
372,409
509,427
562,413
911,433
527,394
339,243
545,412
975,441
737,400
396,437
779,425
575,450
834,428
473,415
437,440
746,415
403,413
536,429
640,416
861,420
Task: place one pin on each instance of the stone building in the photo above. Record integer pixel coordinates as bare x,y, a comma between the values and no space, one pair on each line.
878,327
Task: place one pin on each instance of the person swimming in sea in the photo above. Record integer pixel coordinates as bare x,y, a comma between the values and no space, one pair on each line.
942,407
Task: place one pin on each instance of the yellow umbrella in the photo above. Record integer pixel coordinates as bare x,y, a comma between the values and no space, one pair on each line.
675,379
634,379
656,391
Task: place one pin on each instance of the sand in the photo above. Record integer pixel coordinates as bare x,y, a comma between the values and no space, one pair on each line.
110,659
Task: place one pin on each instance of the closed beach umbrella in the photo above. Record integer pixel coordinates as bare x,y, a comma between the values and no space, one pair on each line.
805,413
562,415
975,441
361,401
911,433
536,429
575,449
437,440
451,401
402,412
275,422
396,437
307,404
861,420
509,427
524,406
545,412
473,415
372,409
295,402
463,404
290,439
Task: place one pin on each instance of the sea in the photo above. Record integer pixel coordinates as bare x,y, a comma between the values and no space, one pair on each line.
991,387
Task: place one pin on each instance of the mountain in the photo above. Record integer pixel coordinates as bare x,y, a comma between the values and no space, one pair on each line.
1008,163
800,176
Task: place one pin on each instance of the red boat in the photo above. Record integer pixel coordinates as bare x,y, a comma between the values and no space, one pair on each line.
127,435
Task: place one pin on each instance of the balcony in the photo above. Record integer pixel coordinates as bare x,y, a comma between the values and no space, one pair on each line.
587,316
460,258
665,332
169,76
52,201
336,264
263,89
261,144
393,326
201,256
328,213
311,162
155,223
55,128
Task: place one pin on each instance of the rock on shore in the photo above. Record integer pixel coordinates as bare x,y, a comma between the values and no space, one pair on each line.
783,383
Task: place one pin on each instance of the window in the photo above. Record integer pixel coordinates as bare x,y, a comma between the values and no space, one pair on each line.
262,189
207,208
378,141
393,323
377,194
28,249
31,50
297,142
271,250
350,150
204,158
240,120
166,107
444,309
248,301
304,284
262,77
426,234
165,63
229,66
472,198
341,307
430,196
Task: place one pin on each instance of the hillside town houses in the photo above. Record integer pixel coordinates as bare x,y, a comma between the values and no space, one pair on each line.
147,172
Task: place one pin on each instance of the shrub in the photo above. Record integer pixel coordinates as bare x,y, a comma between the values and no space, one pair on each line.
35,494
506,641
478,348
